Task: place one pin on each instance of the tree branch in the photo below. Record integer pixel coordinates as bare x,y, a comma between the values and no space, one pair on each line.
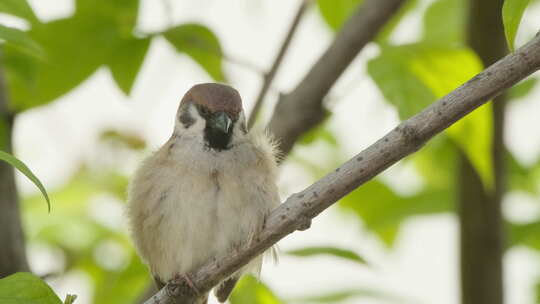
406,138
286,123
480,216
12,251
269,77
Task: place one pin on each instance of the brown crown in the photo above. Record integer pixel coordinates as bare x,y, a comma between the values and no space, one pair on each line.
215,97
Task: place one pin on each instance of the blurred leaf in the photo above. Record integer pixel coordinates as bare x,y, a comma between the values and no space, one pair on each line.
512,13
445,22
78,230
397,82
72,227
336,12
5,131
70,299
10,159
412,76
538,292
119,287
522,89
382,210
121,14
18,66
333,251
75,48
201,44
132,141
20,41
250,290
126,60
436,162
525,234
524,178
473,135
342,295
24,287
19,8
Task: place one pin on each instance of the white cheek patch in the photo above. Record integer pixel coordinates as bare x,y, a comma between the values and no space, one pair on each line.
196,128
240,129
240,125
200,123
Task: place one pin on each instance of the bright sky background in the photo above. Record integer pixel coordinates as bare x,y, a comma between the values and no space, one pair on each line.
423,266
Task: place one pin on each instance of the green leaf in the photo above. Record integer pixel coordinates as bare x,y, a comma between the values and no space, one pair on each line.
397,82
10,159
75,48
333,251
20,41
436,162
336,12
537,292
201,44
23,287
250,290
382,210
522,89
473,135
121,15
523,178
512,13
412,76
123,286
19,8
525,234
126,139
126,60
445,22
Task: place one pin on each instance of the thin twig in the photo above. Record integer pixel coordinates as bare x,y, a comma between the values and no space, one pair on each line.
302,109
406,138
269,77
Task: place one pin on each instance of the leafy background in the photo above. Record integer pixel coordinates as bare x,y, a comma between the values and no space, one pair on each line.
96,81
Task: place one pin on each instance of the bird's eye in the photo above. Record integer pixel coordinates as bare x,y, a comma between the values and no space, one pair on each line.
204,111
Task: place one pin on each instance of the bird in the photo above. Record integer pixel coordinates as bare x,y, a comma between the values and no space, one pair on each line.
206,192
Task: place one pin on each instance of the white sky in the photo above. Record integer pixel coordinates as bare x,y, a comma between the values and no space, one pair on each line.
423,266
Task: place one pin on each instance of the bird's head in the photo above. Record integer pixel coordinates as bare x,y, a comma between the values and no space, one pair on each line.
213,112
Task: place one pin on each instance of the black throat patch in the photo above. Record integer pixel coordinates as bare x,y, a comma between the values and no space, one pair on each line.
217,140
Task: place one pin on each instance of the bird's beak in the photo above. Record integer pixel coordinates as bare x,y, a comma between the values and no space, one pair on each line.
222,122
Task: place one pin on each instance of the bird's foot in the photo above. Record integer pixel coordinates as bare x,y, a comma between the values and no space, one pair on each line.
185,277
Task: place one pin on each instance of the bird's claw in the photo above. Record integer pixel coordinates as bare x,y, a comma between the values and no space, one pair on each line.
185,277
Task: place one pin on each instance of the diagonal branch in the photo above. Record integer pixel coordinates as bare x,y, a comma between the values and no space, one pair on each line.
302,109
406,138
269,77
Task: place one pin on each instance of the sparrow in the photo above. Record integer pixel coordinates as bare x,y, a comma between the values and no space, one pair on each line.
206,192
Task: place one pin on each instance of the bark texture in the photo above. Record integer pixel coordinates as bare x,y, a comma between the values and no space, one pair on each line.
406,138
12,245
481,231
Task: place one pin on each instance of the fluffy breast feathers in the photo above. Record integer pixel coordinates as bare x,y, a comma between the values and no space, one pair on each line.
188,204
